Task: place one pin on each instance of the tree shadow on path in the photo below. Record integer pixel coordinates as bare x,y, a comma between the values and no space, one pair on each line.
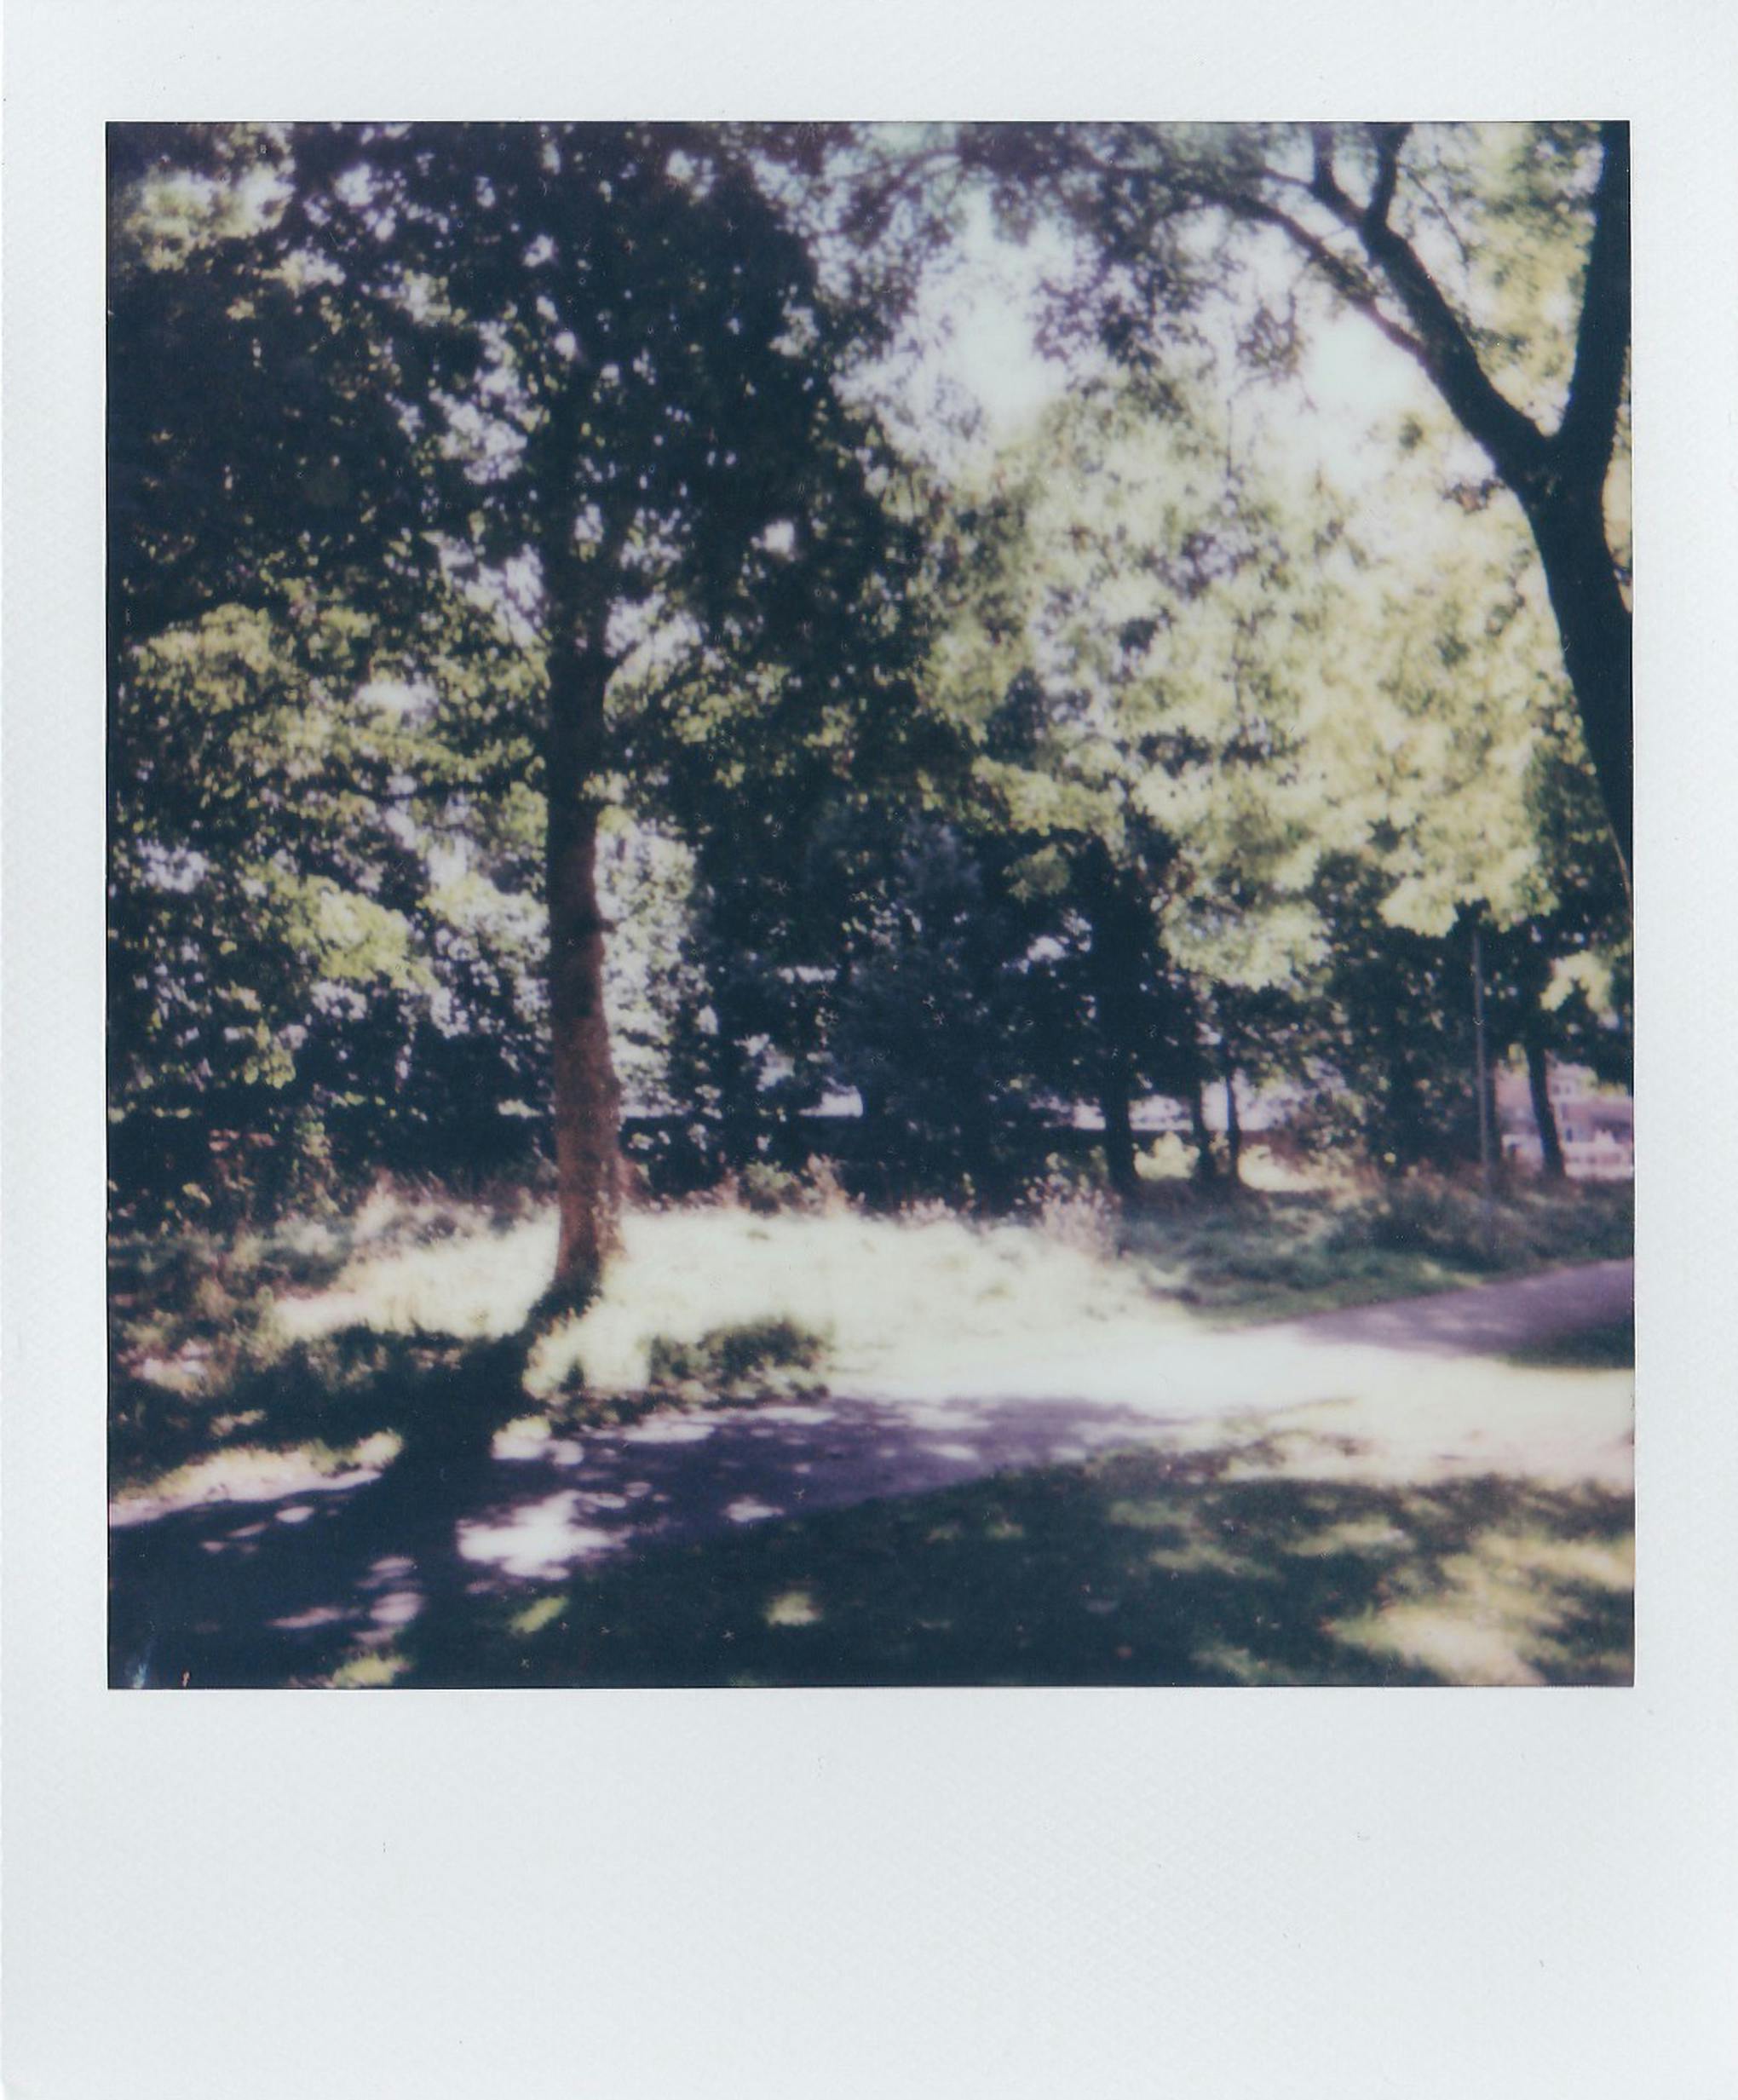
843,1541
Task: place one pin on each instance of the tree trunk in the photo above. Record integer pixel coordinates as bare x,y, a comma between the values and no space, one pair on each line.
1116,921
1559,479
1234,1132
1205,1173
1498,1160
1544,1115
1118,1132
1568,528
586,1106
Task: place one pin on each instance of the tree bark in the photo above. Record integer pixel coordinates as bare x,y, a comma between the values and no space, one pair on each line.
1119,1133
1544,1115
1115,919
586,1109
1499,1159
1205,1173
1567,518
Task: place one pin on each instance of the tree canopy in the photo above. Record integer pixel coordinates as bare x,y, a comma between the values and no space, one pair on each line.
548,646
1496,259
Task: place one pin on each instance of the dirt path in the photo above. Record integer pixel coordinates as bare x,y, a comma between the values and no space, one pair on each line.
277,1582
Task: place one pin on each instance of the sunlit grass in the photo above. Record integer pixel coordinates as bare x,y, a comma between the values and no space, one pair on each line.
1515,1608
712,1302
793,1607
250,1472
892,1295
370,1671
887,1293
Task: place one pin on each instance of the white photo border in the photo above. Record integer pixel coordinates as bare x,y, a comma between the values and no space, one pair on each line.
1294,1892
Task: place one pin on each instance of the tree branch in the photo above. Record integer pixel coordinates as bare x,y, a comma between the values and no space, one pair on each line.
1346,278
1387,140
1519,449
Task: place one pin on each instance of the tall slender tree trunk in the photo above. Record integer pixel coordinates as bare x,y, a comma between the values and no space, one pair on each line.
1113,1095
1544,1115
1115,918
586,1109
1205,1173
1234,1130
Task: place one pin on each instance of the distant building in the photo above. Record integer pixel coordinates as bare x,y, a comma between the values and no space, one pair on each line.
1596,1126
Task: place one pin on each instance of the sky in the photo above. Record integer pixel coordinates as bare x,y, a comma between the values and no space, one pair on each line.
980,320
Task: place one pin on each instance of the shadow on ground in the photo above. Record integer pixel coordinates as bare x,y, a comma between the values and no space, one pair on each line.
706,1547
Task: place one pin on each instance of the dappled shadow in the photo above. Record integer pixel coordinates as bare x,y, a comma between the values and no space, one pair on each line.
232,1577
837,1540
1142,1569
263,1585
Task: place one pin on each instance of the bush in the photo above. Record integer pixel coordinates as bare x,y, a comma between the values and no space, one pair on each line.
737,1361
1418,1217
1426,1216
815,1190
766,1189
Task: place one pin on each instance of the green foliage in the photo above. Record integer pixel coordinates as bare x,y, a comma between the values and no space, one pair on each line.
1124,761
932,1023
310,972
1267,1257
1483,253
737,1361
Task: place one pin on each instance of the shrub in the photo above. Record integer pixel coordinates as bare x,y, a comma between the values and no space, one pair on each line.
737,1361
1430,1218
765,1188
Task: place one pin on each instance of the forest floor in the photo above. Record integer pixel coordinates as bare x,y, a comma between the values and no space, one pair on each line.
836,1449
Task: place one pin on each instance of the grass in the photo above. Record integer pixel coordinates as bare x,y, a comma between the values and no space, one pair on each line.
1140,1569
260,1343
753,1359
1289,1252
1470,1527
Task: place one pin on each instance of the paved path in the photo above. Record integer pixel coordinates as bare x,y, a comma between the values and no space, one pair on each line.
286,1582
1490,1320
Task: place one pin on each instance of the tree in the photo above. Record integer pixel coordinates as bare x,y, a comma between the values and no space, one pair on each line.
308,717
1471,807
1457,244
600,361
1138,657
931,1019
